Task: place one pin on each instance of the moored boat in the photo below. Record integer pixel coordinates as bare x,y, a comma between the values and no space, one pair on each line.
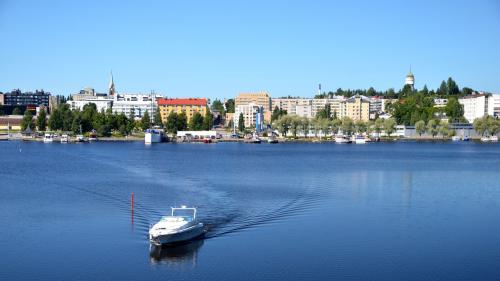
48,137
342,139
494,138
153,136
485,139
64,138
359,139
455,138
180,226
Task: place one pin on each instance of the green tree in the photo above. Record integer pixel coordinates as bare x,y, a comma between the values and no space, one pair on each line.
157,118
295,124
442,90
230,106
55,120
218,106
41,120
480,125
182,123
433,127
208,120
27,120
444,128
361,126
378,126
389,126
325,113
241,123
454,110
277,113
420,127
347,125
196,122
172,121
305,126
452,87
145,121
16,111
493,125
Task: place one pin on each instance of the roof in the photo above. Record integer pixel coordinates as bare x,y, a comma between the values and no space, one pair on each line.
189,101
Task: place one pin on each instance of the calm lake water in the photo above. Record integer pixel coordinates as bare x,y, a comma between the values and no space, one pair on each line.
384,211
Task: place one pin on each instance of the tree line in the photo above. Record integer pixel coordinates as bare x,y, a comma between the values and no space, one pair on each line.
294,125
106,123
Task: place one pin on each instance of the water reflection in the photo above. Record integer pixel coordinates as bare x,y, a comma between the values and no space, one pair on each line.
177,255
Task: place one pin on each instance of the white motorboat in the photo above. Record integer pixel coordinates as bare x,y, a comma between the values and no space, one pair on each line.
494,138
180,226
64,138
341,139
153,136
455,138
485,139
48,138
80,138
359,139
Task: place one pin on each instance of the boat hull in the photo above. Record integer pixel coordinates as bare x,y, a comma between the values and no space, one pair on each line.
179,237
152,138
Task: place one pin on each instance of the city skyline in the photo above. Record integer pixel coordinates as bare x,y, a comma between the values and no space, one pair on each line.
217,50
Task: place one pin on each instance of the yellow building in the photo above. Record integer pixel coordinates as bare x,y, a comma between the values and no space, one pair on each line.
260,99
188,106
356,108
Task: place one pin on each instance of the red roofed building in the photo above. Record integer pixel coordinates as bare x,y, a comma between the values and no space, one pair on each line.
189,106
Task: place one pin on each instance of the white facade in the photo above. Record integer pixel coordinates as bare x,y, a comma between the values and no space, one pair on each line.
494,105
303,111
335,103
476,106
102,104
252,115
136,103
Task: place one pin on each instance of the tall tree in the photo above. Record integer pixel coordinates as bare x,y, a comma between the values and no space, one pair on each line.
218,106
241,123
389,126
157,118
277,113
420,127
454,110
230,106
208,120
145,121
27,120
452,87
41,120
443,89
196,122
433,127
172,121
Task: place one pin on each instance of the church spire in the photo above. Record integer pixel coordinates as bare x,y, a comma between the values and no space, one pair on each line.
111,86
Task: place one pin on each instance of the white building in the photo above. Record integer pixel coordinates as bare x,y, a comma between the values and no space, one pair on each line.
477,106
494,105
253,115
296,106
303,111
135,103
102,103
334,102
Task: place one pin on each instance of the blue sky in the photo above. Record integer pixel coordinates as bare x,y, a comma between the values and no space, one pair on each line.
219,48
